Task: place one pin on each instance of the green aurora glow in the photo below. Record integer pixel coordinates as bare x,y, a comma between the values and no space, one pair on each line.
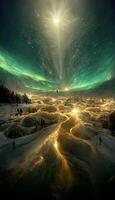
29,56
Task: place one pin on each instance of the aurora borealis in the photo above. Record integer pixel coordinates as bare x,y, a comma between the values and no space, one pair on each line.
79,57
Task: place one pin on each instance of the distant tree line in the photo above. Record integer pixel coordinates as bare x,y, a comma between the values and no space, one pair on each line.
8,96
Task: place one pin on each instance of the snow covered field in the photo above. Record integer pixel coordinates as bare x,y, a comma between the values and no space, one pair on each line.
65,155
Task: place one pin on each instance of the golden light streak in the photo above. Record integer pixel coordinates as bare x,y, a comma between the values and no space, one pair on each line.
64,177
40,161
56,145
66,126
75,112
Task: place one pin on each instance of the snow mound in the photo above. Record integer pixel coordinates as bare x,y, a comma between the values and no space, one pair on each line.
75,146
29,121
15,131
83,132
49,118
49,109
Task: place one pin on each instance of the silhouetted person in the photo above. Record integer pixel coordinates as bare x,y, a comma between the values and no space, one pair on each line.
21,111
100,140
42,123
37,125
18,111
13,145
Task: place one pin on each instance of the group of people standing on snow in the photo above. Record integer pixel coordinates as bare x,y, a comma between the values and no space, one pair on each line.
19,111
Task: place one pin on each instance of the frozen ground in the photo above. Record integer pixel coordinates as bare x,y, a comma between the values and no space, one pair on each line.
64,156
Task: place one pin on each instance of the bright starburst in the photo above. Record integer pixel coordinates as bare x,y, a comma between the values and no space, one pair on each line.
56,20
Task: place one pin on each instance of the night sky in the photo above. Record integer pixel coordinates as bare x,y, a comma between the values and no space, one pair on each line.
34,58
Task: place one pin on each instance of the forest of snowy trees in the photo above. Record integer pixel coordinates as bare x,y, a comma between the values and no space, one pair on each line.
8,96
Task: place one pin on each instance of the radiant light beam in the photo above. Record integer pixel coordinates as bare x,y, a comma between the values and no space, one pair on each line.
58,27
56,20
